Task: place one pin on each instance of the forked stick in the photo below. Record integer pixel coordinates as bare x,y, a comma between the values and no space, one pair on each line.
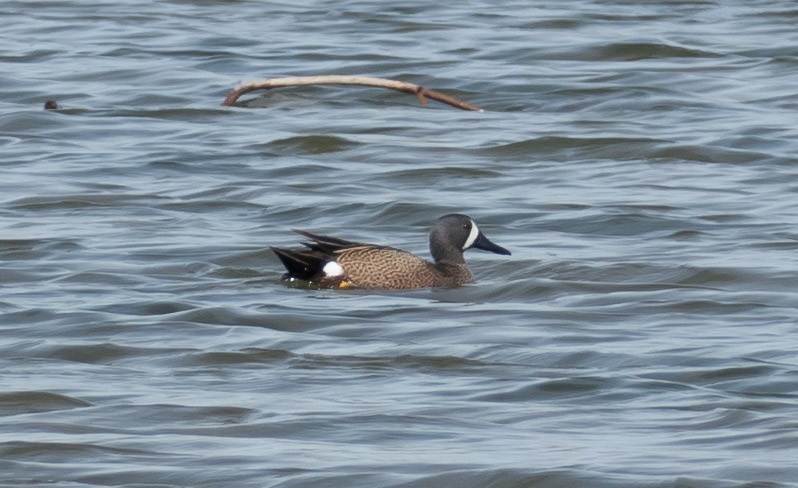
419,91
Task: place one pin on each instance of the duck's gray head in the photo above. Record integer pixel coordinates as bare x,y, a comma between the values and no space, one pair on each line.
453,234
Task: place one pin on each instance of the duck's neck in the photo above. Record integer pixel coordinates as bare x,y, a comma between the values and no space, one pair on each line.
443,255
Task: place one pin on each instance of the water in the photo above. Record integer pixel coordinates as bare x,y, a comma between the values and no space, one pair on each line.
637,158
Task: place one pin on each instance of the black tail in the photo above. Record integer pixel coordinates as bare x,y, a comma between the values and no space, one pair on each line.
301,263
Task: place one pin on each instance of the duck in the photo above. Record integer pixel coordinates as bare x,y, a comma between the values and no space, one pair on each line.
332,262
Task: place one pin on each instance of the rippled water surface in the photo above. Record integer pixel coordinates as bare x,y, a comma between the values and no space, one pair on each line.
637,158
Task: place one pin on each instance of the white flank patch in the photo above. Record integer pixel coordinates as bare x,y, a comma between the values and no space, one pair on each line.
332,269
472,236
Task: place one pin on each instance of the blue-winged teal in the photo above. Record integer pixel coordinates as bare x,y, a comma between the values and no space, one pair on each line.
333,262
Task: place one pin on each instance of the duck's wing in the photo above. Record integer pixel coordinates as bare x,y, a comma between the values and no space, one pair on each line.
326,244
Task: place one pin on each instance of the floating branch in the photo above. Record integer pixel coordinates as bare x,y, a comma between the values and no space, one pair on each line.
419,91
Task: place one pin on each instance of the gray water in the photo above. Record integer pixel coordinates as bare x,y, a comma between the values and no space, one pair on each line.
637,158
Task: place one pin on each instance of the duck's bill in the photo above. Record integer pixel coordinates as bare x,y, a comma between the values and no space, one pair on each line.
485,244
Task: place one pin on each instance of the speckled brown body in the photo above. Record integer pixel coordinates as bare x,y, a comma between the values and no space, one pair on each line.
393,269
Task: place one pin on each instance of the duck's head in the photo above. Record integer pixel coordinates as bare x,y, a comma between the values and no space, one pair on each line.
453,234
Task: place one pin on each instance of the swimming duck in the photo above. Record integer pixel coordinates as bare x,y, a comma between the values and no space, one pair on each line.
339,263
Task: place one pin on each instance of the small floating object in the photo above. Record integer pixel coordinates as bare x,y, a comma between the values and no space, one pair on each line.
51,105
338,263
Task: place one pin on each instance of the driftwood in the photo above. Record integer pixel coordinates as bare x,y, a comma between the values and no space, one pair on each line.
419,91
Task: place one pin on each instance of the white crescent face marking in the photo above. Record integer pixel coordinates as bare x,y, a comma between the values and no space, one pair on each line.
472,237
332,269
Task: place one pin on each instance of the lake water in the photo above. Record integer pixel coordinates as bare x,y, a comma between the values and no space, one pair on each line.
639,159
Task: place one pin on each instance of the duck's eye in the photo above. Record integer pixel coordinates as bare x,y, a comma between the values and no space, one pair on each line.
466,226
